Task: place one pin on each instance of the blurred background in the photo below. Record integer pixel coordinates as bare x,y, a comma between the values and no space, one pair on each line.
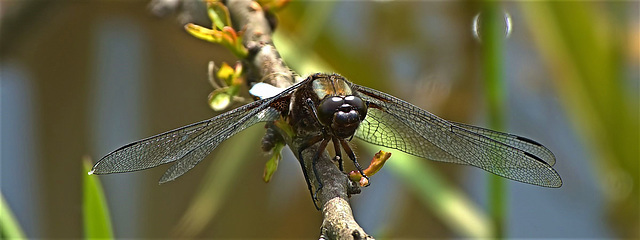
81,78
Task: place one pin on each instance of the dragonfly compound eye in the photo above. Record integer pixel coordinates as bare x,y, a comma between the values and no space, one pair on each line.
358,105
327,108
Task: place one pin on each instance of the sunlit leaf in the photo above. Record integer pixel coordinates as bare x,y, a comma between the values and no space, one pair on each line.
204,33
272,164
376,164
280,123
219,14
219,99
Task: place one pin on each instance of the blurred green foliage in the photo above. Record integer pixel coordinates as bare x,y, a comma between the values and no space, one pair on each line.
585,46
492,34
218,185
9,226
96,219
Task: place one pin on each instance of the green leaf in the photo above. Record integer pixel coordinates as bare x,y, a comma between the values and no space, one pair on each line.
495,95
585,47
272,165
204,33
219,15
219,99
97,223
9,227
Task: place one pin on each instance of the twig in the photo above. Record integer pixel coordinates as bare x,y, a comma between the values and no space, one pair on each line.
264,62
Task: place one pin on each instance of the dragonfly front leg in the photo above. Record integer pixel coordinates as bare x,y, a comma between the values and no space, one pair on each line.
321,149
305,145
352,156
338,157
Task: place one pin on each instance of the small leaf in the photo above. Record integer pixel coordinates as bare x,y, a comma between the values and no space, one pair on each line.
238,49
97,223
231,33
272,164
376,164
204,33
219,14
219,99
282,124
378,161
227,36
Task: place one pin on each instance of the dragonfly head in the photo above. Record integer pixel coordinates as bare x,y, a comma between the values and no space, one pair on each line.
342,114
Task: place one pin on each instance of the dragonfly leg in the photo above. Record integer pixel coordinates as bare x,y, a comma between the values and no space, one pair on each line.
304,146
336,146
306,178
321,148
324,133
352,156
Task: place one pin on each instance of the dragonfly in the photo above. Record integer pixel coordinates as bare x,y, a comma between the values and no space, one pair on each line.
340,110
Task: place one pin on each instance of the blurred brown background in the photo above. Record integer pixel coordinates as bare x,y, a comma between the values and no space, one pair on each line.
85,77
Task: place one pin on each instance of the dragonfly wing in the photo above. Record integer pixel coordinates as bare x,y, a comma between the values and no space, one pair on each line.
187,145
525,144
389,129
194,156
394,123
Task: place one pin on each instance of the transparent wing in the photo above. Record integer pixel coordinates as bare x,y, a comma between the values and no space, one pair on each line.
394,123
522,143
187,145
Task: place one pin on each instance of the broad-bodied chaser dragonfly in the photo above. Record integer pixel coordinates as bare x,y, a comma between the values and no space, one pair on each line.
340,110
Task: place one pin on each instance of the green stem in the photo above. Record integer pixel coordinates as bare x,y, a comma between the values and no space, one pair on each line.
492,36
